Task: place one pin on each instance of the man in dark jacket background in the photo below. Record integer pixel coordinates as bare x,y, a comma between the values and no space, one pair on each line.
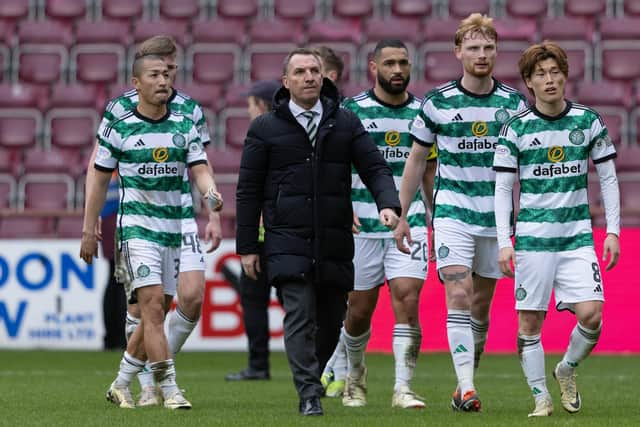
296,170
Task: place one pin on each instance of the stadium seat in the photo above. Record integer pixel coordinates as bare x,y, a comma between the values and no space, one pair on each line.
628,158
439,63
225,161
46,192
590,9
208,96
75,95
462,8
236,95
527,9
233,126
276,31
238,9
213,63
105,31
629,200
407,30
352,10
45,32
70,128
52,161
23,95
567,28
65,10
411,9
15,10
635,126
515,29
39,63
617,121
299,10
20,128
604,92
630,7
441,30
181,10
506,67
264,61
219,31
143,30
5,62
10,163
617,60
124,10
7,30
619,28
26,227
98,64
7,190
69,227
333,31
228,191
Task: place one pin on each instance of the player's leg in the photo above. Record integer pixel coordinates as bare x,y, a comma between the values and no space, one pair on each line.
486,273
454,255
580,282
535,273
369,276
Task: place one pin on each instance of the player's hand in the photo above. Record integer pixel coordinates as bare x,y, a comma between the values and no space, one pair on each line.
213,231
611,250
99,229
389,218
432,247
88,247
506,257
251,265
355,227
401,233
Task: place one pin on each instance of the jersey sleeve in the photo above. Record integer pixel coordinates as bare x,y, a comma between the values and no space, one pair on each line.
601,146
506,156
109,148
201,124
195,149
423,129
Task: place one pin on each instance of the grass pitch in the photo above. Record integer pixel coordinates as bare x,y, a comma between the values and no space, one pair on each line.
49,388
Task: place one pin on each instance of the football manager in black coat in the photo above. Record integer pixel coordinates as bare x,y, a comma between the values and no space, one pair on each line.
296,170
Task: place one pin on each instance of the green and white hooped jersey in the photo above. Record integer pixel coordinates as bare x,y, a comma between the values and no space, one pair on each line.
465,127
551,155
151,157
179,102
388,126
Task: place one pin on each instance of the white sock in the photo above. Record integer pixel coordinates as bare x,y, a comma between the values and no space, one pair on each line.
406,347
479,329
356,347
461,346
532,361
581,343
145,377
338,361
130,325
164,373
179,329
129,366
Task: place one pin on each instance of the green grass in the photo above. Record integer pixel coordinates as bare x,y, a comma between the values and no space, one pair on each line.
67,388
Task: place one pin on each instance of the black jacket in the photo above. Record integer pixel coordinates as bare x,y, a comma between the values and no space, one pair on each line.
305,193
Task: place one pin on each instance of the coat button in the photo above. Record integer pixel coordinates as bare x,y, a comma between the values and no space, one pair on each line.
308,159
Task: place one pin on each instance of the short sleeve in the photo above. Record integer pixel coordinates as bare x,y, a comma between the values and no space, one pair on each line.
422,128
109,148
201,124
602,148
195,149
506,155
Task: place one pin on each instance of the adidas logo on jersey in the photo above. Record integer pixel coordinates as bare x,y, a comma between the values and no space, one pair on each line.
535,143
457,118
140,143
597,289
372,125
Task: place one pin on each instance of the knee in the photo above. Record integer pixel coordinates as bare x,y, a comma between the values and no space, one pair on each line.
530,322
458,298
359,314
592,319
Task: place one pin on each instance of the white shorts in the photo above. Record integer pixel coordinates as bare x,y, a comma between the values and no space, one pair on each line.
455,246
573,275
191,258
376,259
150,264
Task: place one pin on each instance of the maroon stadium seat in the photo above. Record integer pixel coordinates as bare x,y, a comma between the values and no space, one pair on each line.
629,200
265,60
604,92
228,191
411,9
97,63
506,67
7,190
105,31
54,161
439,63
143,30
125,10
213,63
463,8
13,10
567,28
209,96
181,10
407,30
46,192
590,9
20,128
628,159
276,31
70,128
39,63
236,95
631,7
69,227
5,61
619,28
239,9
333,31
515,29
22,95
225,160
617,121
529,9
65,10
45,32
352,9
219,31
295,9
75,95
618,60
10,163
234,123
441,30
26,227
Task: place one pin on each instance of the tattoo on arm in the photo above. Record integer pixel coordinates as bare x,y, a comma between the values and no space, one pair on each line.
456,277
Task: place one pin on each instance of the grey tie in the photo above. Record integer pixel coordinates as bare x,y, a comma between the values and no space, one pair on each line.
312,129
